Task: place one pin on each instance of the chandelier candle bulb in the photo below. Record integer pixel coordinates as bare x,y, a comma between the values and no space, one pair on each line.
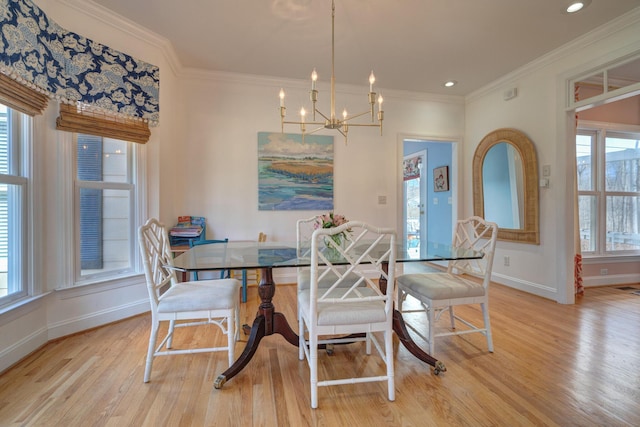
372,80
314,77
282,97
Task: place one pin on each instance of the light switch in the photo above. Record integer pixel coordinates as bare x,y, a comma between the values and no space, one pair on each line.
435,200
382,200
546,170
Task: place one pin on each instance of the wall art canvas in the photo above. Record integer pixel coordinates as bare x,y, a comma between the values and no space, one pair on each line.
295,174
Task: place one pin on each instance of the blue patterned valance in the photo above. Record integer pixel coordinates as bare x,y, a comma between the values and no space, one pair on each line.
37,52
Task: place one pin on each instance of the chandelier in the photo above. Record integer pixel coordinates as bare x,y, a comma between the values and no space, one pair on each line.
331,121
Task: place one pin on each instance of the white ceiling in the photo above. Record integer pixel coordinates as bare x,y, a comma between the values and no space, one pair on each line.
413,45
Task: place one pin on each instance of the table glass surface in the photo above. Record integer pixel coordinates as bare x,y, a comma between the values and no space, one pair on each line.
250,255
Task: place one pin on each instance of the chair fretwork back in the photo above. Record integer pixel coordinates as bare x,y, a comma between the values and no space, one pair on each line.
476,234
154,246
304,230
363,253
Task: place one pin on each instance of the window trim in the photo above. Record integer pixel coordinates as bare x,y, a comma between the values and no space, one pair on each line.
600,131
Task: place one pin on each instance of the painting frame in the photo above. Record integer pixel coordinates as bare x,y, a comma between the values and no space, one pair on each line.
441,178
295,172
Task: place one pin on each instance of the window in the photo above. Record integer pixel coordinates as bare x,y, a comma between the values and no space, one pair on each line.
105,195
14,139
608,168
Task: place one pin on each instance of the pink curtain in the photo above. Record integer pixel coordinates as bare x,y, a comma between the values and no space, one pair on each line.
577,259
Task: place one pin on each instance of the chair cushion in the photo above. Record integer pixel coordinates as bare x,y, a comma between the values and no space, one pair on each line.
201,295
438,286
348,313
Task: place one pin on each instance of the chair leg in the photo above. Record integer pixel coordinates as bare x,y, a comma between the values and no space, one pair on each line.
431,313
301,342
452,317
231,335
172,325
313,368
388,338
244,285
153,336
487,325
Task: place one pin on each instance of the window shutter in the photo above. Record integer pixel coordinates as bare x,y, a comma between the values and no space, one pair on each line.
19,97
81,119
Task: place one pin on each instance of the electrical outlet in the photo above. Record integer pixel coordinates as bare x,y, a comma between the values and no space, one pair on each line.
506,261
604,271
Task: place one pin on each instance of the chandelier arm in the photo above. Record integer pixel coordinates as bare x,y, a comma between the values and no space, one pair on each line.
315,130
373,125
304,123
323,116
356,116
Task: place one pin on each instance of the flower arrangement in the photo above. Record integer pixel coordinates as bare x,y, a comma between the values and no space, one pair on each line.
329,220
332,220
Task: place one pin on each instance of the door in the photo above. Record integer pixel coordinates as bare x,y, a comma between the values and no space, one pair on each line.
414,194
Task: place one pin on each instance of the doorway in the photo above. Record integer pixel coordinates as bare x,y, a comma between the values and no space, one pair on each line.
428,211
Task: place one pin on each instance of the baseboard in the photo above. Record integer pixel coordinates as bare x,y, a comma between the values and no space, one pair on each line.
17,351
98,318
613,279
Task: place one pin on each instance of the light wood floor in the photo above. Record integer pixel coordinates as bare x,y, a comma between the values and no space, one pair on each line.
554,365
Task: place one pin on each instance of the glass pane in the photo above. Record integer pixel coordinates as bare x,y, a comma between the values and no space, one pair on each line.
413,208
624,75
623,223
102,159
104,230
622,168
584,150
589,87
587,212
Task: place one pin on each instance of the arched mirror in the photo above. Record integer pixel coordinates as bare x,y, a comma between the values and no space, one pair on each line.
505,185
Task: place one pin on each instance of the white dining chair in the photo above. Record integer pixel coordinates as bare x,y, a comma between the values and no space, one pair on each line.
347,306
465,282
183,304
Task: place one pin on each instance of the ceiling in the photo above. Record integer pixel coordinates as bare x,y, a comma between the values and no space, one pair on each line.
412,45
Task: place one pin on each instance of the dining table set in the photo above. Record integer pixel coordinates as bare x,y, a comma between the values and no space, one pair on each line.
267,256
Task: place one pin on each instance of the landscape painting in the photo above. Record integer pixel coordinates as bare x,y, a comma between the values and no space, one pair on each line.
294,174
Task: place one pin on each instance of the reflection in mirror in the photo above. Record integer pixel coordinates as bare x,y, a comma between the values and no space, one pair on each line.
502,186
505,185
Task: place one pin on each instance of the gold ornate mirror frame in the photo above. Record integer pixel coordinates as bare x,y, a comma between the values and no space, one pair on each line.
530,233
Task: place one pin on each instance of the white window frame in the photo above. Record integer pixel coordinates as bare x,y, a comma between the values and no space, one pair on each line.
137,186
599,131
20,131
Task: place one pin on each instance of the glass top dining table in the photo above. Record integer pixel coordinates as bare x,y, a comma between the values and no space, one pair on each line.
269,255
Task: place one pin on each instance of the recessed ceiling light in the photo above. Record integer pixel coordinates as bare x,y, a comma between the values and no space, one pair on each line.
450,83
574,6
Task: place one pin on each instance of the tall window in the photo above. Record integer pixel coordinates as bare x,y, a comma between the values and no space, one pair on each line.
14,140
105,202
609,191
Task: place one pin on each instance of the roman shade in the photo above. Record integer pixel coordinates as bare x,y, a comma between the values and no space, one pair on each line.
42,56
20,97
81,119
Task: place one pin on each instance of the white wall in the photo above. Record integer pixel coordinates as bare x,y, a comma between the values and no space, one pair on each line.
539,111
220,173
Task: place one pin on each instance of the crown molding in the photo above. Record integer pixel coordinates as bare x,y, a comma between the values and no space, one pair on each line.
604,31
278,82
125,25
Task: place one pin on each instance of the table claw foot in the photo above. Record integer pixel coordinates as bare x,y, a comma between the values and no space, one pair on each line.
219,382
439,367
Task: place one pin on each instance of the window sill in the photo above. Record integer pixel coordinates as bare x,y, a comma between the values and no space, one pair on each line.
19,308
87,288
599,259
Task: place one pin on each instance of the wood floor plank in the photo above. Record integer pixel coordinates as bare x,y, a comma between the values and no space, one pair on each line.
553,365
